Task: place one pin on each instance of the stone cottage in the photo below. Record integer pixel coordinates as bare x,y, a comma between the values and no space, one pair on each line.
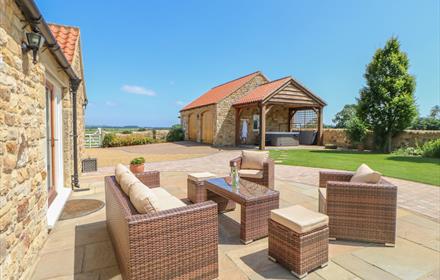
42,102
252,110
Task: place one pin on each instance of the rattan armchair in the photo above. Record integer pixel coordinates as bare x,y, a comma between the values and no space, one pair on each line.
358,211
268,172
180,243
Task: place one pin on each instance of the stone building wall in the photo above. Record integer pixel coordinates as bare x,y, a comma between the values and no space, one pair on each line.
224,134
23,183
23,192
407,138
277,119
184,117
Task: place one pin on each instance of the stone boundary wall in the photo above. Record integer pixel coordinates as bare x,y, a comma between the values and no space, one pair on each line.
157,134
407,138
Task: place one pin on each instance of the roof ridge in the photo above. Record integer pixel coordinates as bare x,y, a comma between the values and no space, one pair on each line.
237,79
278,80
64,25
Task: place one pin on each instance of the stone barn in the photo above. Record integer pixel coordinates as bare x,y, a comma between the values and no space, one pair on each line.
252,110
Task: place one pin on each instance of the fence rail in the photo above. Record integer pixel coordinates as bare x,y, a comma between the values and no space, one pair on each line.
94,140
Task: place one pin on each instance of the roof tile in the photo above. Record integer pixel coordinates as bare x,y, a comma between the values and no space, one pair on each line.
218,93
67,38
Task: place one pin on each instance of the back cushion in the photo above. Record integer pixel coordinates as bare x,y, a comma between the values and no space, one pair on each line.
143,199
253,159
364,174
126,181
119,170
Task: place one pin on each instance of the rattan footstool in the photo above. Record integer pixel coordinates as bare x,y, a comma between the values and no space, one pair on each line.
197,192
298,239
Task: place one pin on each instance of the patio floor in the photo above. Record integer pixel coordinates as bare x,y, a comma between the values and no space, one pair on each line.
80,248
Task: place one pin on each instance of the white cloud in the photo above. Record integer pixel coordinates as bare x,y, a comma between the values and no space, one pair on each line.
180,102
138,90
110,104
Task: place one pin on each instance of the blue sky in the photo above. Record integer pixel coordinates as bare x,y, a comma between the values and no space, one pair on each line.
144,60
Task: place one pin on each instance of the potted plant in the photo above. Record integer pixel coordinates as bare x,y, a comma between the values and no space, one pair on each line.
357,131
137,165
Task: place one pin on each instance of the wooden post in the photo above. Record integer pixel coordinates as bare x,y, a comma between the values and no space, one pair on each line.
320,127
237,126
262,126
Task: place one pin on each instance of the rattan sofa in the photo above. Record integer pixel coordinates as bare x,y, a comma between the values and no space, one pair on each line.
180,243
358,211
268,172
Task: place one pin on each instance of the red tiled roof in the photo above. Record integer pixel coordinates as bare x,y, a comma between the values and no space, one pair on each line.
67,38
263,91
218,93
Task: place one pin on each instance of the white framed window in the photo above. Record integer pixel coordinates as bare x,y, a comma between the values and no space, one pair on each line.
256,122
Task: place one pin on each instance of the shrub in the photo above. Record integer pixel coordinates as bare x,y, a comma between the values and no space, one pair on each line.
356,130
175,133
112,140
108,139
138,160
126,132
431,149
142,129
409,151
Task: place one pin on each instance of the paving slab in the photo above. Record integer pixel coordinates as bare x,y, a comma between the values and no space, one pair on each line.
361,268
406,261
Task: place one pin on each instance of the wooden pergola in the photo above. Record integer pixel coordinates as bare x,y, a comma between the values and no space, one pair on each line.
285,92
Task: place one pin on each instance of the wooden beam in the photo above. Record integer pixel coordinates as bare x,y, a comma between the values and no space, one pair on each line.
237,126
262,126
320,126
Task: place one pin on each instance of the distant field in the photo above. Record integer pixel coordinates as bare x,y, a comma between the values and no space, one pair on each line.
90,130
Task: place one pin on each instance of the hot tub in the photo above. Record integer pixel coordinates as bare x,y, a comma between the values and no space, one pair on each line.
275,138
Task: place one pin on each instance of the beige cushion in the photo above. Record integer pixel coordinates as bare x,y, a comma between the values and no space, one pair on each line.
170,202
161,192
166,200
119,170
250,173
143,199
253,159
126,181
299,219
364,174
201,176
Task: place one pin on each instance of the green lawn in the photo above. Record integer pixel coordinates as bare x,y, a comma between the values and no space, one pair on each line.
419,169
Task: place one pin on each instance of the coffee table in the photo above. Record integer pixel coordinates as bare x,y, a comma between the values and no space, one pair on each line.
256,202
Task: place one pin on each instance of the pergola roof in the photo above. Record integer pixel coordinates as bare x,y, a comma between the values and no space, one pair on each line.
285,90
263,91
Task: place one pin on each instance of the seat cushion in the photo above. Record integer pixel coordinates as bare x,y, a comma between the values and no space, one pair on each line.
126,181
143,198
166,200
299,219
119,170
253,159
201,176
161,192
250,173
169,202
364,174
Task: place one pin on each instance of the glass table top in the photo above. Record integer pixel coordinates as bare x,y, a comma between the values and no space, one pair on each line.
244,188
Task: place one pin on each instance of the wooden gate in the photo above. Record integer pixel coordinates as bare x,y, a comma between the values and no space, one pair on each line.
207,127
192,127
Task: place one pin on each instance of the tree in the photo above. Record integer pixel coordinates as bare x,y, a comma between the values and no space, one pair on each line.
435,112
431,122
342,118
386,102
